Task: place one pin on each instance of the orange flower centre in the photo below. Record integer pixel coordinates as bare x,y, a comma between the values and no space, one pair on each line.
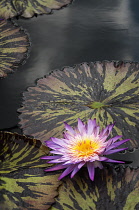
86,148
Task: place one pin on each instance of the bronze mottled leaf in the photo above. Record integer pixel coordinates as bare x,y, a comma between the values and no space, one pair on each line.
18,151
28,189
14,44
23,182
28,8
112,189
107,91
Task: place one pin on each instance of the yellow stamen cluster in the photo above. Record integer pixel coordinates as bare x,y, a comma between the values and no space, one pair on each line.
86,148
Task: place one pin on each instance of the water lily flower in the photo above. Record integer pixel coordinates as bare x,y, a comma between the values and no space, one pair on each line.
84,145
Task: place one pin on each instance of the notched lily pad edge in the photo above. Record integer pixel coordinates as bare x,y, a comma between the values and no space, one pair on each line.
17,65
116,63
19,15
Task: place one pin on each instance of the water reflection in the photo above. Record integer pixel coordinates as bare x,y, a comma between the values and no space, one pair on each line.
81,32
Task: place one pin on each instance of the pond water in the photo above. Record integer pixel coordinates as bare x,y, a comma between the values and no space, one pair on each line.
82,32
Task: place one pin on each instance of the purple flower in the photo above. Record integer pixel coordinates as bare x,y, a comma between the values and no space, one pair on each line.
84,145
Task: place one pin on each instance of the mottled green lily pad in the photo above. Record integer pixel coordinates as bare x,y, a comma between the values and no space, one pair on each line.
14,44
111,189
28,8
23,182
17,151
107,91
28,189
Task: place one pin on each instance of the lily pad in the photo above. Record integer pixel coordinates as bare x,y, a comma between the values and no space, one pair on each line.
107,91
17,151
111,189
28,8
28,189
14,44
23,182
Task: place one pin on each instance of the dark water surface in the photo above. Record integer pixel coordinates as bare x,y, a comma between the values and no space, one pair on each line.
82,32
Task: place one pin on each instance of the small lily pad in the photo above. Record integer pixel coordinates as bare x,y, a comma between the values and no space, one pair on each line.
111,189
28,8
23,182
14,44
107,91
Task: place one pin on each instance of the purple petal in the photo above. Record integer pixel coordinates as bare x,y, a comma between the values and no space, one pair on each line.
51,157
90,126
69,128
55,161
56,152
102,158
76,169
59,142
114,151
49,142
67,171
113,161
112,140
96,130
110,128
51,145
56,147
91,170
67,136
57,167
81,126
81,164
104,132
95,157
107,130
116,144
68,162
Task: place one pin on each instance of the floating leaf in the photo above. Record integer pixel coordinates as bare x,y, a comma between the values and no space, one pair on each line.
23,182
111,189
28,189
17,151
29,8
107,91
14,45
